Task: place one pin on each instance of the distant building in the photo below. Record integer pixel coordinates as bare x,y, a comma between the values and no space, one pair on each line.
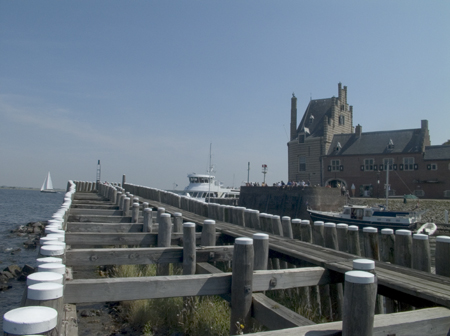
326,150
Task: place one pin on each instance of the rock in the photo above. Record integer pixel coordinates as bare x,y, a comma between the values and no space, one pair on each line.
15,270
7,275
27,269
4,287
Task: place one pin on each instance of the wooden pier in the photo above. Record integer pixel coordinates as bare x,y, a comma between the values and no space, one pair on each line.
122,235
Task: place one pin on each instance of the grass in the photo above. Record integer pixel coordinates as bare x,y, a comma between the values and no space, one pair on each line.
189,316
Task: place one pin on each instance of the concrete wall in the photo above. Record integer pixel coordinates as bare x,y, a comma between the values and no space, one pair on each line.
291,201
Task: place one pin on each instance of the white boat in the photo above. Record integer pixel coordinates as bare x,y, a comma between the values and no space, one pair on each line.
363,215
47,186
204,186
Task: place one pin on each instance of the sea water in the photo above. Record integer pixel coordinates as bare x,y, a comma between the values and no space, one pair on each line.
19,207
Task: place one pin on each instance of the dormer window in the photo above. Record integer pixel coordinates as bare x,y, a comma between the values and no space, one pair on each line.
311,119
338,147
390,145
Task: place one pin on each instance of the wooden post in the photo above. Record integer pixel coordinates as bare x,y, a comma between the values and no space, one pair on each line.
177,222
387,247
403,248
254,217
262,221
239,211
318,233
359,303
324,290
47,294
369,266
241,285
403,256
371,249
305,229
421,256
261,248
135,213
189,254
126,207
353,240
336,291
124,179
208,237
164,240
442,255
342,236
247,218
148,220
287,227
276,225
161,210
296,233
31,320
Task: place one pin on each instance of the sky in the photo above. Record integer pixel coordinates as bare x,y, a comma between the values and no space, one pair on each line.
147,87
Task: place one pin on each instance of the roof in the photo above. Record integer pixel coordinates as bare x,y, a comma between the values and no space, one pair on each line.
317,108
404,141
437,152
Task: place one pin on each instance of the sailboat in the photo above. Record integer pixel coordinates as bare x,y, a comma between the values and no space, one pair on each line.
47,186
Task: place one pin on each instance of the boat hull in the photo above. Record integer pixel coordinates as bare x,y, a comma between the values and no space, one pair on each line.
316,216
49,191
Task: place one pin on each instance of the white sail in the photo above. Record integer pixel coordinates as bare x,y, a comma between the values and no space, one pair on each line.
47,185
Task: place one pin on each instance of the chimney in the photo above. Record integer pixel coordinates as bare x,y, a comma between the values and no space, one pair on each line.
424,125
293,117
358,131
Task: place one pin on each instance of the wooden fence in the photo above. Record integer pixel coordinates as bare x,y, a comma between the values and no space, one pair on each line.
272,253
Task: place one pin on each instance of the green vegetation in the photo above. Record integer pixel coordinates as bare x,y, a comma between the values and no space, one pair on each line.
190,316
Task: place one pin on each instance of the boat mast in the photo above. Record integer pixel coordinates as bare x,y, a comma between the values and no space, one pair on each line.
387,186
209,173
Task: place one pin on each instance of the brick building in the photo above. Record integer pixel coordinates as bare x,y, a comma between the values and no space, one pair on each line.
327,150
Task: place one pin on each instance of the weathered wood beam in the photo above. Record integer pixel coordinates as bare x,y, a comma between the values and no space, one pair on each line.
267,311
104,227
99,219
142,256
430,322
122,289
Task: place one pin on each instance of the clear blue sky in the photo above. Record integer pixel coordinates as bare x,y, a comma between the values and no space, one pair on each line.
146,86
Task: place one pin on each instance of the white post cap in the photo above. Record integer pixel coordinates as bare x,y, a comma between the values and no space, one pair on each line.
363,264
165,215
52,250
177,214
47,260
243,241
296,220
370,229
305,221
45,291
209,221
188,224
260,236
353,228
403,232
29,320
330,225
342,226
359,277
387,231
52,267
443,239
420,236
38,277
319,223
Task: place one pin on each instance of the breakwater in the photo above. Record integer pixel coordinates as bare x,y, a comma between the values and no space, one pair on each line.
144,226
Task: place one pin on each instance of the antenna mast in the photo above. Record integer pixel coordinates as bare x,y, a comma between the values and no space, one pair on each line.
99,172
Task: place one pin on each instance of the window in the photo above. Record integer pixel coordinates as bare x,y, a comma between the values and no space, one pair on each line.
419,193
341,120
408,163
335,165
432,166
302,163
368,164
301,138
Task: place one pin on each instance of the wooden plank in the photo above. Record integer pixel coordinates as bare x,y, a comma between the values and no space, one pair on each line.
85,238
275,316
120,289
99,219
95,212
103,227
429,322
142,256
69,321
